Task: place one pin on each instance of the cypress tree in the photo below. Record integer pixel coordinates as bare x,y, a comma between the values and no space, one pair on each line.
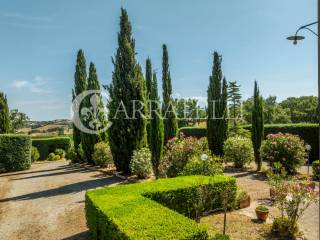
149,86
4,114
169,115
257,125
156,127
217,124
80,85
128,131
96,117
235,98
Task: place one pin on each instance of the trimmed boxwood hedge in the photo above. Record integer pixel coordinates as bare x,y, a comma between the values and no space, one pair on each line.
197,132
15,152
49,145
153,210
309,132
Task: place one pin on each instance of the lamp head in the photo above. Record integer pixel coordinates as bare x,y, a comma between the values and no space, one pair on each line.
295,38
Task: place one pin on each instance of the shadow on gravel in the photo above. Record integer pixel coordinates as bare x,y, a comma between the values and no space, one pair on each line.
66,189
79,236
240,173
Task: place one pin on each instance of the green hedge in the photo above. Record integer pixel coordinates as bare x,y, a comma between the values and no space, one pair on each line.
309,132
151,210
15,152
197,132
49,145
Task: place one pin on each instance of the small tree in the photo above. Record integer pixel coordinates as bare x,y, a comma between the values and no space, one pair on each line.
234,97
156,127
257,125
170,121
17,120
4,114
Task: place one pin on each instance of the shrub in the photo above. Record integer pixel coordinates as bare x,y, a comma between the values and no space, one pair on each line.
238,150
220,236
15,152
72,155
309,132
152,208
203,165
140,163
57,157
34,154
60,152
316,169
49,145
282,227
177,153
102,154
51,157
286,149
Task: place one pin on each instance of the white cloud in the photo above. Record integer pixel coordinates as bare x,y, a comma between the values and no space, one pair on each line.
19,83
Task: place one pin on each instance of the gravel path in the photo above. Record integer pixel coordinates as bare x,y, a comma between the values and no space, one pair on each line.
47,201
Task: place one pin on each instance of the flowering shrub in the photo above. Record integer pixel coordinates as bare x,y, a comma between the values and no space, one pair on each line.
177,153
287,149
203,165
102,154
140,164
238,150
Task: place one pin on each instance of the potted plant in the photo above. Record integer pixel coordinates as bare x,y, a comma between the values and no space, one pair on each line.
262,212
243,199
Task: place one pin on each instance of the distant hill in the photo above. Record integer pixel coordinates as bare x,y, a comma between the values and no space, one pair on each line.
48,128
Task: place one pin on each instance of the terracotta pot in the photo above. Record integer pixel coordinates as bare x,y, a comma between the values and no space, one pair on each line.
262,215
245,202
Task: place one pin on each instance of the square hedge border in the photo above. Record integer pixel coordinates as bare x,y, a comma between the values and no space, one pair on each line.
154,209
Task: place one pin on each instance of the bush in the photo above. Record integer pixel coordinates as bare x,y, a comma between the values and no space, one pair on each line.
15,152
60,152
152,208
51,157
49,145
34,154
177,153
196,132
238,150
140,163
203,165
72,155
281,226
316,169
309,132
287,149
220,236
102,154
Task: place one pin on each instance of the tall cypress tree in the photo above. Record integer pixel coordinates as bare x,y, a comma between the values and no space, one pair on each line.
169,115
149,86
128,131
156,127
96,117
217,124
257,125
4,114
80,85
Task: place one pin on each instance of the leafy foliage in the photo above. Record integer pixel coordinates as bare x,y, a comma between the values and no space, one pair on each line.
220,236
35,155
102,155
287,149
60,152
15,152
135,211
257,125
239,151
168,110
188,112
316,169
17,120
140,164
4,114
234,97
127,133
49,145
217,125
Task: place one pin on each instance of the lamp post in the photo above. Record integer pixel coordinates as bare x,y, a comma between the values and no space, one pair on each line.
295,38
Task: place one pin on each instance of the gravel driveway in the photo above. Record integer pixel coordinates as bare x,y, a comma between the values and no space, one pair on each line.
47,201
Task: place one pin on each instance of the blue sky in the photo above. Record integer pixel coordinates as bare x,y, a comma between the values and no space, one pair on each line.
39,40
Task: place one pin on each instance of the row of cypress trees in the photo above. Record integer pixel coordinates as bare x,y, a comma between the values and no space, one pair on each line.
4,114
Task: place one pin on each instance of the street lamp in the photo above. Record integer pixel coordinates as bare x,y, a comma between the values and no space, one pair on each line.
295,38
